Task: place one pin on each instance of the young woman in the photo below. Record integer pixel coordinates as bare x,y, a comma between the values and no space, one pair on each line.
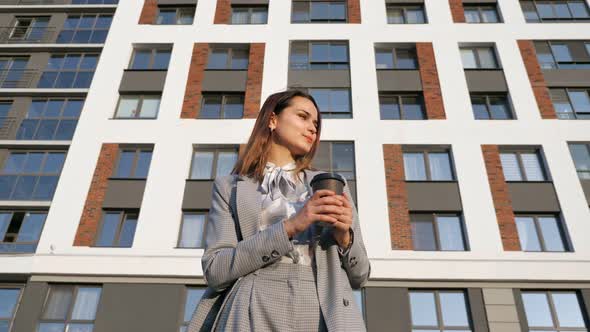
268,264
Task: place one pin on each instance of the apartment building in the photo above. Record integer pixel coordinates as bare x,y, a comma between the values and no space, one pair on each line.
460,125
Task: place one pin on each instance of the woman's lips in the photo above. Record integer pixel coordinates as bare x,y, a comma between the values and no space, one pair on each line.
308,139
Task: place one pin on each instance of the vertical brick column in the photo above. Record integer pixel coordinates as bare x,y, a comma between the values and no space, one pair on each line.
354,11
501,197
196,73
457,11
88,225
529,56
222,12
254,81
397,198
435,109
149,12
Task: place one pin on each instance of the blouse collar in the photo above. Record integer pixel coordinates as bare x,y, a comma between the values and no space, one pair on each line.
279,181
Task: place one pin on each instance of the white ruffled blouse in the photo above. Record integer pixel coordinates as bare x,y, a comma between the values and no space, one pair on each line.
283,197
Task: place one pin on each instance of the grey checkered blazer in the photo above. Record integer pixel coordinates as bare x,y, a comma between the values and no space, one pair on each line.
235,248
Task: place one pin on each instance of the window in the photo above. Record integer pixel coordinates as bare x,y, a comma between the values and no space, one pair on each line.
481,14
358,298
395,57
30,175
69,71
319,55
437,232
9,299
311,11
70,308
581,154
338,157
95,2
29,29
333,102
88,28
555,10
249,14
478,58
522,166
558,54
228,58
491,107
406,14
175,15
133,163
192,230
117,229
138,107
439,310
5,106
222,106
156,58
540,233
209,163
192,297
401,107
50,119
428,166
553,310
20,231
13,73
572,104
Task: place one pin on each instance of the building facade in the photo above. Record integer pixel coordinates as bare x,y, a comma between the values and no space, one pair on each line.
461,126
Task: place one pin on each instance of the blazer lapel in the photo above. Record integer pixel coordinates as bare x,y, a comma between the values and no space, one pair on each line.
249,206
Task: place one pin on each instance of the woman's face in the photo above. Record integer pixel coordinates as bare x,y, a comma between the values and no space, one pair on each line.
296,126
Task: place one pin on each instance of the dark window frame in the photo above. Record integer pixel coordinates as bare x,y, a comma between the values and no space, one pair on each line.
437,303
251,9
14,242
539,19
123,216
309,12
137,152
92,29
548,292
580,171
230,56
182,324
433,222
555,64
74,289
426,151
521,167
393,51
563,233
78,70
140,99
11,286
215,151
178,11
202,212
405,8
153,51
332,65
331,114
478,62
400,97
574,115
29,29
480,8
488,97
61,117
224,96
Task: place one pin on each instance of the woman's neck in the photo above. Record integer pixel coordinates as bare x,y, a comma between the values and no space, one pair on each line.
280,155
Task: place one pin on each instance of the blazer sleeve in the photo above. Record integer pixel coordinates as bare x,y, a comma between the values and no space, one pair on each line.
355,261
225,258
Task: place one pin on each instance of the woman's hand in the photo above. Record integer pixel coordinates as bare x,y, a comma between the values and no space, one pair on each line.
342,227
324,206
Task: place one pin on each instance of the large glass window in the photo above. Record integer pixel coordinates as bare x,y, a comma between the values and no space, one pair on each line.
192,297
20,230
406,14
13,73
547,11
50,119
209,163
491,107
175,15
222,106
437,232
553,311
338,157
478,58
581,154
87,28
307,11
133,163
558,54
333,102
540,233
395,57
69,71
117,229
70,308
439,311
30,175
29,30
522,166
481,13
146,58
192,230
138,107
319,55
249,14
228,58
401,107
428,166
571,103
9,299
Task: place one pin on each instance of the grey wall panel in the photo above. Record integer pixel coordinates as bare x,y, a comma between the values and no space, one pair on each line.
433,196
478,310
567,77
225,80
399,80
387,309
486,81
139,308
143,81
177,2
124,193
56,23
533,197
29,309
319,78
586,187
197,194
38,62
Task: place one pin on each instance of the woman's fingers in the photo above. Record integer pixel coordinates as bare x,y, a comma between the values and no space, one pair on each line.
322,192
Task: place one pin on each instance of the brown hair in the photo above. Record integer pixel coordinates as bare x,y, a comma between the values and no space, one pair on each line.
252,161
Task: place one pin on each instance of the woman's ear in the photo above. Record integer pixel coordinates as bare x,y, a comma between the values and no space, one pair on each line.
272,124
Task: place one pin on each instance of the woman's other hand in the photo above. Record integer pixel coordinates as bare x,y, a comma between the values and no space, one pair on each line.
324,206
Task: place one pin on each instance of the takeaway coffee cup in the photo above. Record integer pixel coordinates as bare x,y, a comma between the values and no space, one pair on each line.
330,181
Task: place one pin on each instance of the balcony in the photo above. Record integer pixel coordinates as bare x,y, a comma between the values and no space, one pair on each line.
27,35
17,78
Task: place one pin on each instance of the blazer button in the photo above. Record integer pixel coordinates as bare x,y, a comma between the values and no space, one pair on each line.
274,254
345,302
352,261
265,258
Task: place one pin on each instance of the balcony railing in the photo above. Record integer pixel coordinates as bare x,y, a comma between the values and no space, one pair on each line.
17,78
7,124
27,35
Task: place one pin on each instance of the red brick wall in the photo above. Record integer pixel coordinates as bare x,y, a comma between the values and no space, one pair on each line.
254,81
93,207
433,101
354,11
397,198
222,12
457,11
501,197
149,12
192,94
529,56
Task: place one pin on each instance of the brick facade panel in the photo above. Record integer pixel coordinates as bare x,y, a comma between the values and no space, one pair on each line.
354,11
254,81
193,92
222,12
457,11
540,90
397,198
149,12
433,102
